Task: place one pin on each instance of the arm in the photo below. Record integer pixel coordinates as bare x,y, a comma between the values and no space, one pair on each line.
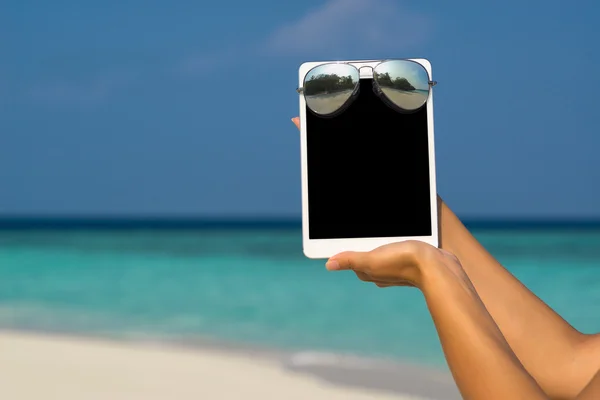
482,362
561,359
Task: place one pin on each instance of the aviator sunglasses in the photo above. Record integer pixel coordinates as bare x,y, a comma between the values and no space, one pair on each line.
329,88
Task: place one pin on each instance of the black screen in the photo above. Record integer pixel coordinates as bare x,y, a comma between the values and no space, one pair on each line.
368,171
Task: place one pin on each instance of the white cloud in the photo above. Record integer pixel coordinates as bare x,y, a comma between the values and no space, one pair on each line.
344,26
338,28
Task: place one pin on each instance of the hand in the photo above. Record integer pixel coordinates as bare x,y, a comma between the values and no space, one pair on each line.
405,263
296,121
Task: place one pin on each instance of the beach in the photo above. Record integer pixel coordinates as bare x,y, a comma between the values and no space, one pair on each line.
330,102
45,366
406,99
225,313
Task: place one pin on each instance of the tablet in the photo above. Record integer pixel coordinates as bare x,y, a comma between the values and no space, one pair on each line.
367,155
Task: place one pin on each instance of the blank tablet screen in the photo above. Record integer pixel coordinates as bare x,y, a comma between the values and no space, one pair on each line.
368,171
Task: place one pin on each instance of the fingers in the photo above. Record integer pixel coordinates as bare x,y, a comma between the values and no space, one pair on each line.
349,260
366,278
296,121
386,285
363,277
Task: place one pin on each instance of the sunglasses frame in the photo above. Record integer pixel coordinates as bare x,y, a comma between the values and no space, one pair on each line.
376,88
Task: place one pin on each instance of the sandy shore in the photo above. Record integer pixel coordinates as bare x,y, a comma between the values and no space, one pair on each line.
39,366
330,102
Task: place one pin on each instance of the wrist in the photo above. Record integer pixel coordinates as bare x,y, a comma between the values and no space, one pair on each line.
451,231
441,270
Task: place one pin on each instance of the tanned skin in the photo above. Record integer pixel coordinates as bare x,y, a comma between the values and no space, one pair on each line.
500,340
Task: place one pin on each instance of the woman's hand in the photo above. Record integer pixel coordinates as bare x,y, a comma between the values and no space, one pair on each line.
296,121
408,263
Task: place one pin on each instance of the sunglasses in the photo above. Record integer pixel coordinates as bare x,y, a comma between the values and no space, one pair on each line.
330,88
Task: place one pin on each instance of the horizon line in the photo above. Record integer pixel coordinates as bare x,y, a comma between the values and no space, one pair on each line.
132,222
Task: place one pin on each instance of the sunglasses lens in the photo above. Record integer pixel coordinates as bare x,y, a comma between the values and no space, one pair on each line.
327,88
404,83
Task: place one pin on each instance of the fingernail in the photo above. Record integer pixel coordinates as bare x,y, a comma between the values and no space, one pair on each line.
332,265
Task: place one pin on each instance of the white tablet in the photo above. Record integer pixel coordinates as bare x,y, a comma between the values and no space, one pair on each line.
367,152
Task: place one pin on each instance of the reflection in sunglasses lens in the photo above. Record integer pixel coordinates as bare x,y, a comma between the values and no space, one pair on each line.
328,87
404,83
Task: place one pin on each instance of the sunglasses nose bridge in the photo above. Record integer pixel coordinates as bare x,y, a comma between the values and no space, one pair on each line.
365,72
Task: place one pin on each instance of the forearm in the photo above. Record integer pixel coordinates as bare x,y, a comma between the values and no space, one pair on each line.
482,363
546,344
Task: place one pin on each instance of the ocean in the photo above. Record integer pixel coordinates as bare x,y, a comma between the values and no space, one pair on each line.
251,285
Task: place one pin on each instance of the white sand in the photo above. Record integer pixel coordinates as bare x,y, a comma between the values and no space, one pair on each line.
409,100
332,102
50,367
328,103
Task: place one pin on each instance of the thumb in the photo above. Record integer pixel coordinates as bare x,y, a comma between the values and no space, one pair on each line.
296,122
354,260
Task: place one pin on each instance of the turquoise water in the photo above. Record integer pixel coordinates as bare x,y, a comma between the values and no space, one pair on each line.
256,287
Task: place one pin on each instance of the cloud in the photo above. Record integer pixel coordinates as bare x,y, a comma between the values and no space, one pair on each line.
343,26
337,29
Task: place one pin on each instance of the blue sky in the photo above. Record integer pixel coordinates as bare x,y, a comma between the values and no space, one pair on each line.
138,107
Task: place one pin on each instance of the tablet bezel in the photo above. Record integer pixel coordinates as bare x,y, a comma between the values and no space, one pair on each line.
325,248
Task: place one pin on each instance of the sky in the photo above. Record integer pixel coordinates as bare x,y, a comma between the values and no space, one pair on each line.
145,108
